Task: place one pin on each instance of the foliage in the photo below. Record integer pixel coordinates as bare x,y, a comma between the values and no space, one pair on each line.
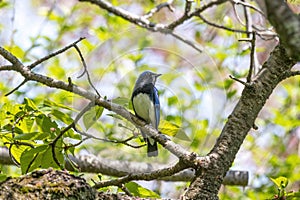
31,134
195,91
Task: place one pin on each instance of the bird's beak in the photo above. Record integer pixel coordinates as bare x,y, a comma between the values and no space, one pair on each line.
157,75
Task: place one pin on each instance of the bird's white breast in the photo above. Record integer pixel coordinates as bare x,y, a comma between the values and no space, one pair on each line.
144,108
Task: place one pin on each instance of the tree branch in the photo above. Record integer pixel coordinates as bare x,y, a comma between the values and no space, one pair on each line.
118,168
240,121
147,176
141,21
158,8
31,66
221,26
287,25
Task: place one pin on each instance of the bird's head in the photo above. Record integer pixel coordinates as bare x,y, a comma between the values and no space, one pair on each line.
145,78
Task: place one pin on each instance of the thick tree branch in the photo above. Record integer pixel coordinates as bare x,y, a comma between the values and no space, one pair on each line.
239,123
287,25
147,176
118,168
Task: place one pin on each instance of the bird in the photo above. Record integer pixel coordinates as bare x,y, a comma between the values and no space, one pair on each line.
145,103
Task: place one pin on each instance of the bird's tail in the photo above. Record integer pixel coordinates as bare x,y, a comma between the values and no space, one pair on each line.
152,150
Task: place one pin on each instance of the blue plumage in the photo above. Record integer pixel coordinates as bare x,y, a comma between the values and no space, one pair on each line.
146,105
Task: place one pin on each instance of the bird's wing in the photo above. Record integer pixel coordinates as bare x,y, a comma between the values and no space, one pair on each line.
156,107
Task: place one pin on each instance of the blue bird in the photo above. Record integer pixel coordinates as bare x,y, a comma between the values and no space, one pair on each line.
146,106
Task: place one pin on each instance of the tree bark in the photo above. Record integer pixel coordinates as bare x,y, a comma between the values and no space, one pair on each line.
241,120
287,25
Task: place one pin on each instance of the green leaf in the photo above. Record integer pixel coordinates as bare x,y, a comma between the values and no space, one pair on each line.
115,116
231,93
281,182
293,195
3,4
172,100
123,101
31,136
294,1
172,129
71,134
9,128
91,116
140,191
47,159
15,150
28,124
182,135
54,104
45,123
135,57
62,116
31,159
30,105
3,177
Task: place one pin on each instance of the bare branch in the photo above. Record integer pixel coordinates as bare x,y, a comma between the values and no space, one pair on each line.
86,70
184,17
246,84
252,57
245,4
118,168
239,123
143,176
6,67
34,64
221,26
287,25
141,21
248,19
190,43
158,8
16,88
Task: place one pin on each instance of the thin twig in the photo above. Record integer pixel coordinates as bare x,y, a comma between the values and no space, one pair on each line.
190,43
184,17
34,64
240,81
86,71
237,15
248,20
158,8
252,57
125,142
221,26
16,88
245,4
53,143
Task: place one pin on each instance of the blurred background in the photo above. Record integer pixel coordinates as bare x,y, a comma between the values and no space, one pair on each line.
195,90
